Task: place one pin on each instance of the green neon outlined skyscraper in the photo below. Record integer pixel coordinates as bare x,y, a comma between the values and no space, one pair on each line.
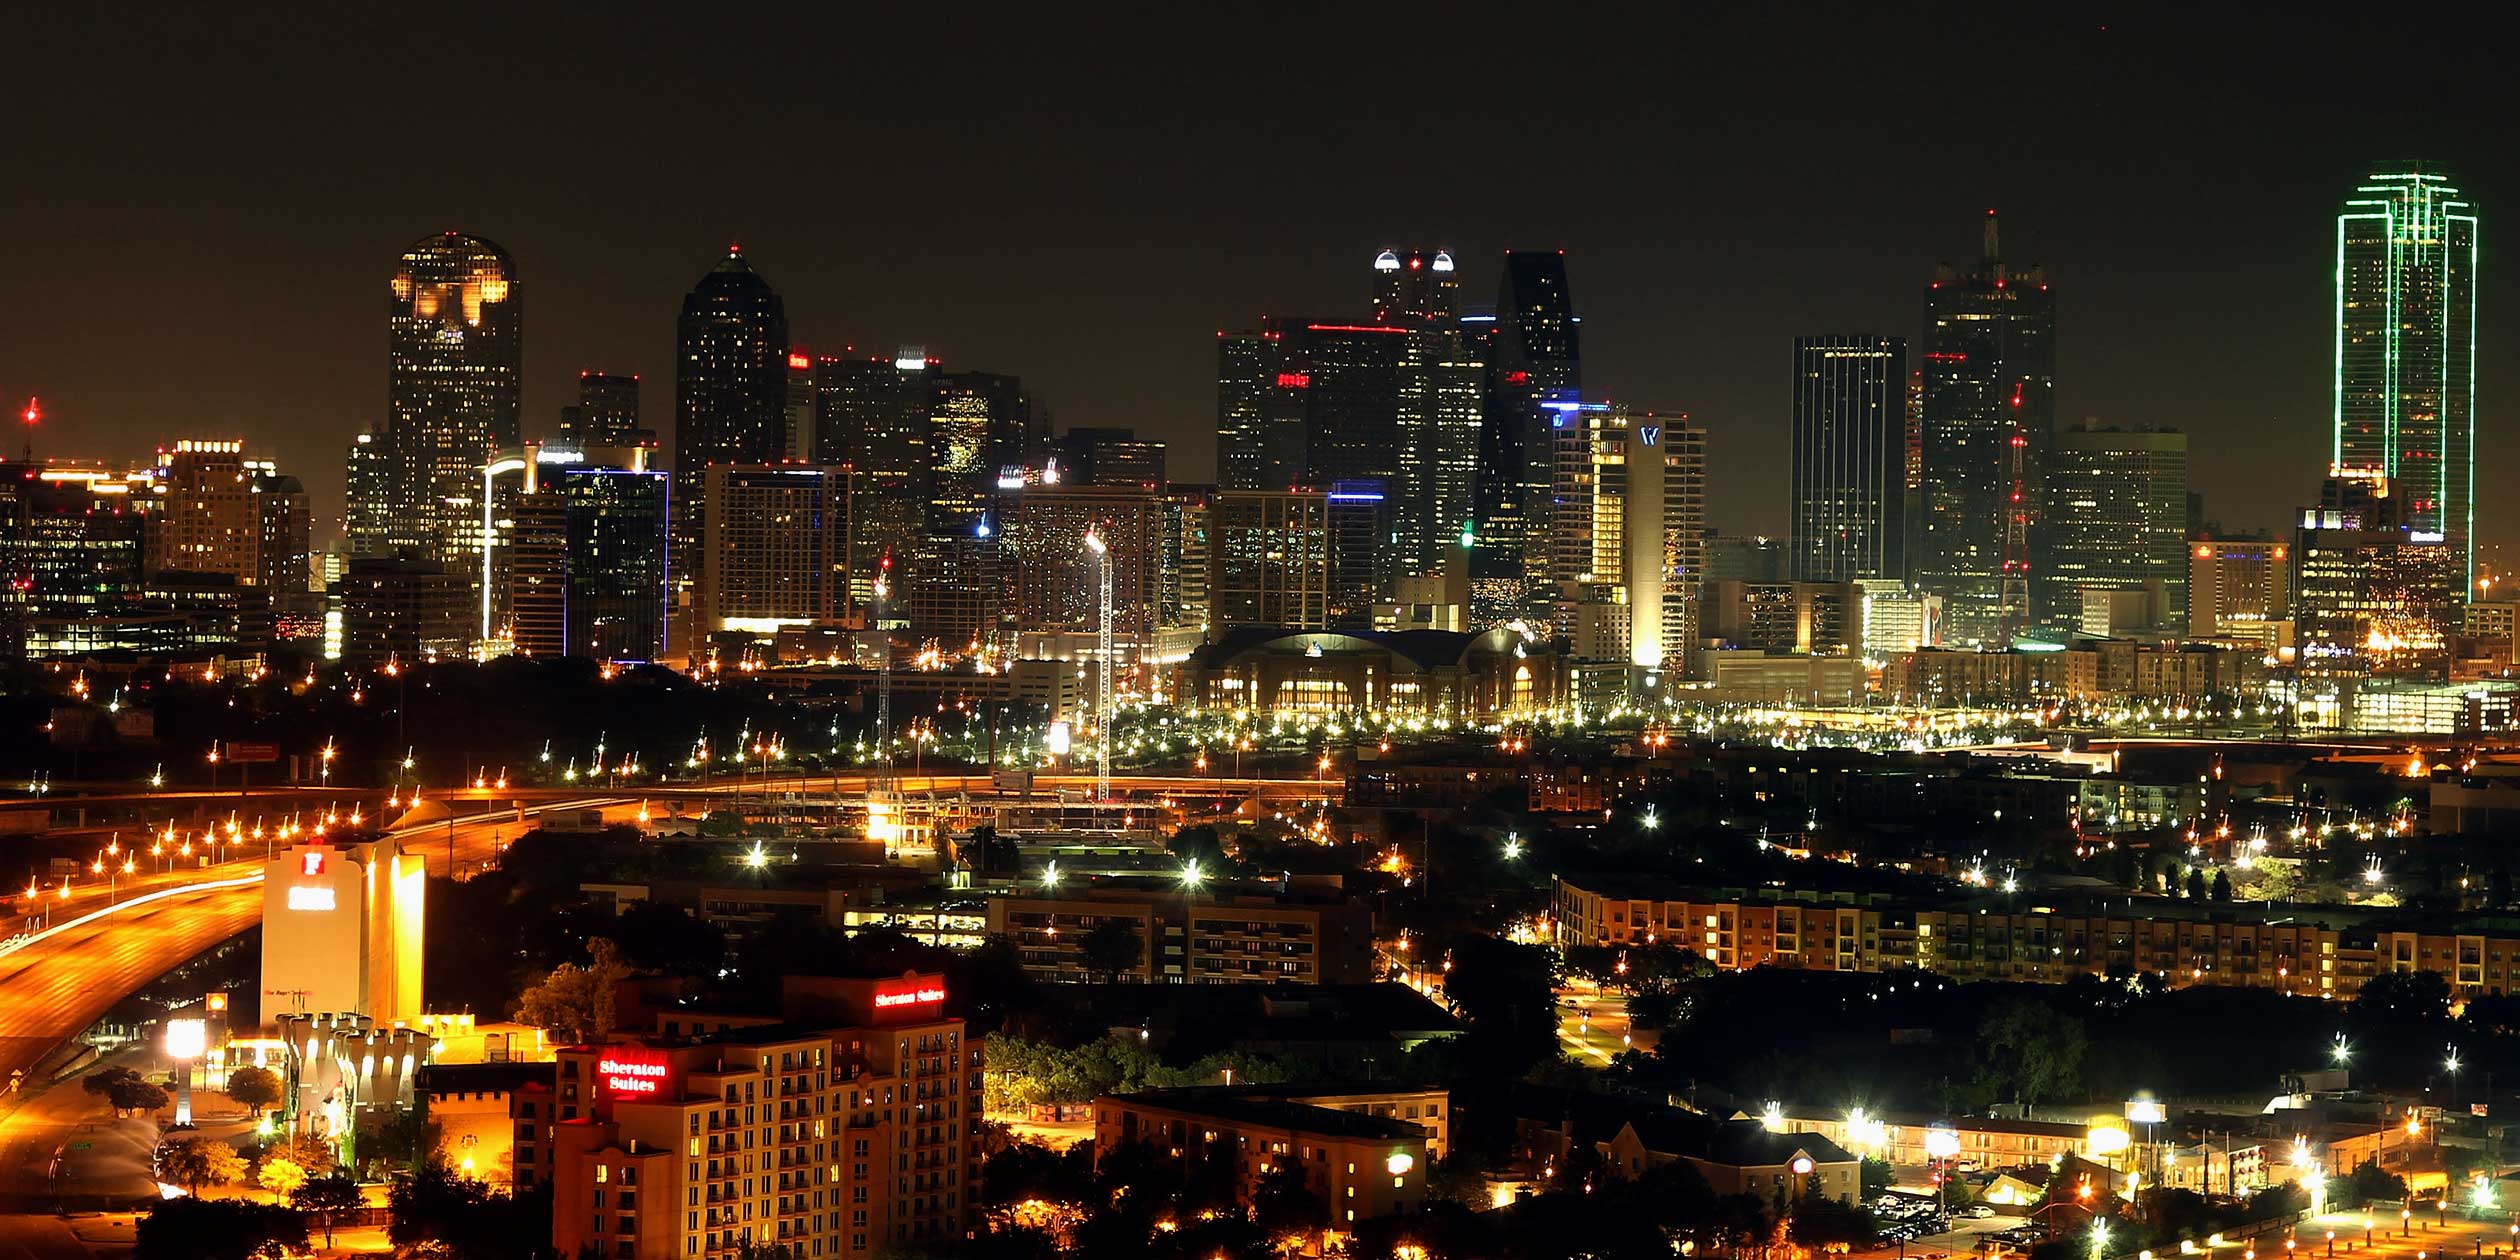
2405,389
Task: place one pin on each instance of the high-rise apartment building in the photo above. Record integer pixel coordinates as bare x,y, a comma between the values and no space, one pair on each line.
844,1125
1850,459
1534,358
2406,305
454,356
1630,499
606,412
2116,520
1989,407
730,388
774,539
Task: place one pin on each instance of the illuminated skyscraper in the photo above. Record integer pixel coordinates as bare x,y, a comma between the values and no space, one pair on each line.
2405,405
1628,542
1534,357
454,356
1989,377
730,387
1850,458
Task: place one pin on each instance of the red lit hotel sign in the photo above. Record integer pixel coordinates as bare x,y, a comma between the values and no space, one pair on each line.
910,997
631,1073
234,751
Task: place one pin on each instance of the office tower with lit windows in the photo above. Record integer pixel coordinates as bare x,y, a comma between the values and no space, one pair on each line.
1533,357
1056,586
1441,384
1259,413
2115,520
2405,404
2371,594
1627,550
606,412
1850,459
1182,557
1300,559
874,415
799,406
454,356
73,550
282,527
2238,586
1989,378
730,388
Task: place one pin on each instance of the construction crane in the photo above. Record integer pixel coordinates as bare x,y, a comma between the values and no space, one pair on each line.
1102,668
34,412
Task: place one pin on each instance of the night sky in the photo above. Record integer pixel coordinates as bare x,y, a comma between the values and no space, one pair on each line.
202,212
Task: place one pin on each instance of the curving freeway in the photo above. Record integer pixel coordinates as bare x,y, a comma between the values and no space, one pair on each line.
99,948
102,942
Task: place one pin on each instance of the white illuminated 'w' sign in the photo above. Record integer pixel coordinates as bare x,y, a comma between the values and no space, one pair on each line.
1652,434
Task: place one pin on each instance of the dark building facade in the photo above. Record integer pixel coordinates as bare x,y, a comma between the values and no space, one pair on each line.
1533,357
730,385
606,412
1989,377
454,356
589,573
1109,457
1850,458
411,610
874,415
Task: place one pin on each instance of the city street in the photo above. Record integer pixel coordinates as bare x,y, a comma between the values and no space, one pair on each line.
1593,1024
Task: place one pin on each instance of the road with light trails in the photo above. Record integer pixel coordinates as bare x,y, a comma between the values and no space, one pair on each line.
64,978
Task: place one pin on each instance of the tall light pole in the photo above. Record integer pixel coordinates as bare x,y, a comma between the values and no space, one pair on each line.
1102,679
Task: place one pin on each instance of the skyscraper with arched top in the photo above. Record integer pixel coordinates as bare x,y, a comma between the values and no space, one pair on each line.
454,358
2405,389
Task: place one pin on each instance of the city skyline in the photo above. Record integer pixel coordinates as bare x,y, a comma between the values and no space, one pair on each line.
1651,284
